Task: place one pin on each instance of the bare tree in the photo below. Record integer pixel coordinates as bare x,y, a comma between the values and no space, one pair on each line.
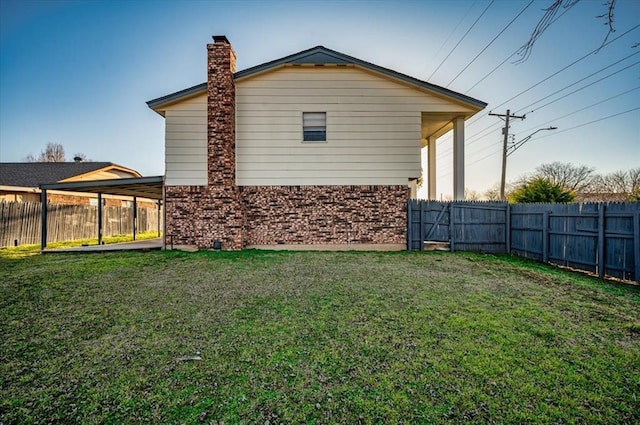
471,195
550,17
54,152
577,178
623,182
493,193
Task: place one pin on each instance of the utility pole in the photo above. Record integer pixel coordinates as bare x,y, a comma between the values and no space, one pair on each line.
505,131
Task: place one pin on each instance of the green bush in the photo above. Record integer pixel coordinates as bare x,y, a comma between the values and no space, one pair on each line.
541,190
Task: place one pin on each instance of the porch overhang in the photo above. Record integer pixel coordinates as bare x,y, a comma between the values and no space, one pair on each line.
435,125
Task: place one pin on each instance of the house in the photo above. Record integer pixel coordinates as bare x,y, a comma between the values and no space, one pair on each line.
20,181
316,148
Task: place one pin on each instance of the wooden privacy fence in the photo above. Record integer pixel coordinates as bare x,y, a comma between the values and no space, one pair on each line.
602,238
21,222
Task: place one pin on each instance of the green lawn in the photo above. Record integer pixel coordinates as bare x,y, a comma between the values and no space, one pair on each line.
313,337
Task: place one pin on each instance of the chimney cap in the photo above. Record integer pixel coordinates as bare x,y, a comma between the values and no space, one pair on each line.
221,39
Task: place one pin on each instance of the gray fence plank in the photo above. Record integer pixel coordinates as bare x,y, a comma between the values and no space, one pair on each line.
595,237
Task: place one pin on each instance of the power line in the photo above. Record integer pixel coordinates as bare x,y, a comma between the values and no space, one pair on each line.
476,118
571,128
584,87
506,59
580,80
484,157
463,37
584,108
476,137
545,22
566,67
455,29
490,43
592,122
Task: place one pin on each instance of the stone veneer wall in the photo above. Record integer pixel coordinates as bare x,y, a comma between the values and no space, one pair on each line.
325,214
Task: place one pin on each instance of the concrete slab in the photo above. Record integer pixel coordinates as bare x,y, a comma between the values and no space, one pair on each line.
144,245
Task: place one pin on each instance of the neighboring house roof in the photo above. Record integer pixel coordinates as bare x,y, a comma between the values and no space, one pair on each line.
319,55
33,174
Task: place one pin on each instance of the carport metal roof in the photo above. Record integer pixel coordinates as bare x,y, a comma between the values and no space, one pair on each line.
142,187
139,187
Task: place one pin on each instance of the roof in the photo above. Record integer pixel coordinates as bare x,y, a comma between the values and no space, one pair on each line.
143,187
319,55
33,174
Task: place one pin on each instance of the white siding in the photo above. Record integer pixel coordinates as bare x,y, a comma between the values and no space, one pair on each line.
186,142
373,127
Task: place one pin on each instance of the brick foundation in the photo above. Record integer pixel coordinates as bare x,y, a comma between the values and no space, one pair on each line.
292,215
325,214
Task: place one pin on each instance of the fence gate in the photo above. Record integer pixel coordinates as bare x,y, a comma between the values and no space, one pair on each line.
468,226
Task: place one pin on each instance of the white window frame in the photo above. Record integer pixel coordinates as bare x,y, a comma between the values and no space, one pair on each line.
314,122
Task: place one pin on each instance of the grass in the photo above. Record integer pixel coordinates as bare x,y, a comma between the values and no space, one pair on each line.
313,337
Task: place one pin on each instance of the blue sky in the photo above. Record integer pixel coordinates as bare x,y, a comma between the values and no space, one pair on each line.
79,73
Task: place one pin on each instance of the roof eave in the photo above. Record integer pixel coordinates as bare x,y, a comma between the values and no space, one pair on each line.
159,103
339,58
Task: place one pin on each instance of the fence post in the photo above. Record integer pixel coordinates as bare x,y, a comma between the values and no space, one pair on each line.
99,218
421,226
451,229
636,244
43,223
409,226
601,240
135,217
507,233
545,236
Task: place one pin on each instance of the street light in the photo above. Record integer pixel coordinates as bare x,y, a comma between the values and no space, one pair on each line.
508,150
514,146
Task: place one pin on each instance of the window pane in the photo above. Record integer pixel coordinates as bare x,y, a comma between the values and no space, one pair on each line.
314,126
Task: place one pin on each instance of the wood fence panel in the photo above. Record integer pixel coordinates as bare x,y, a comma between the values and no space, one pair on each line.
20,222
479,226
602,238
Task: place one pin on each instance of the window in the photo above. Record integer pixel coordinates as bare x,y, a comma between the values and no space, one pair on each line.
314,126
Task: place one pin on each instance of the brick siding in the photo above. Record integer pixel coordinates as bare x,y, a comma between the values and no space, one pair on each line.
325,214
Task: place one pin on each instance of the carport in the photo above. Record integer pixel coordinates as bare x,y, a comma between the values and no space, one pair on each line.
141,187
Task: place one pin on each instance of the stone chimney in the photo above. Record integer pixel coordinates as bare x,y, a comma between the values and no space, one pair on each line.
221,113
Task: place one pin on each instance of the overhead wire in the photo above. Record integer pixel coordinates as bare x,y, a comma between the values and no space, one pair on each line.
564,116
503,62
566,67
483,114
591,122
463,37
587,86
490,43
579,81
582,109
455,29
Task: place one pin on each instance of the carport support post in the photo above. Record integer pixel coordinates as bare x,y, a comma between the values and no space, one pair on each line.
135,216
43,202
458,159
99,218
